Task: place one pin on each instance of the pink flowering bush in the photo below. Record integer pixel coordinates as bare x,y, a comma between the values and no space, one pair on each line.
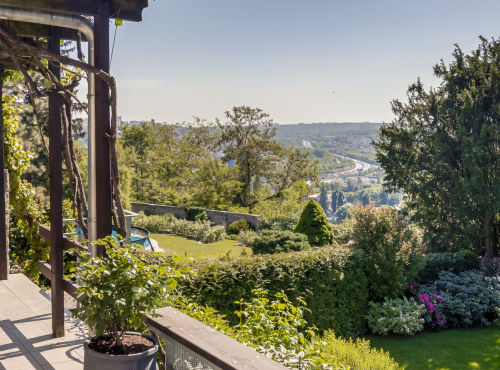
433,316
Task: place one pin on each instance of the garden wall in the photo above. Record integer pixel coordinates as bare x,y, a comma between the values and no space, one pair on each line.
217,217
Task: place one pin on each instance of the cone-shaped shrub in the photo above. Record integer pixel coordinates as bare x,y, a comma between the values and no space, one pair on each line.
315,225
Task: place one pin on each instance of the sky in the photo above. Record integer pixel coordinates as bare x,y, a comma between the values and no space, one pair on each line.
287,57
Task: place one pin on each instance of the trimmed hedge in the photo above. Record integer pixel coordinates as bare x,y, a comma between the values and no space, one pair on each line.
274,241
451,262
328,279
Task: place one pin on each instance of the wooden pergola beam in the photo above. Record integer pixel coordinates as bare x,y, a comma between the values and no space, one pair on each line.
128,10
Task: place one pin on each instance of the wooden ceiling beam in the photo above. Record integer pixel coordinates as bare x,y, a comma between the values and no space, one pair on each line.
128,10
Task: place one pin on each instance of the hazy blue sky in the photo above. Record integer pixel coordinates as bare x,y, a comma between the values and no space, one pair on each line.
202,57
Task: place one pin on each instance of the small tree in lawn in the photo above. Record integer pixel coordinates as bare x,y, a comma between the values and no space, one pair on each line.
315,225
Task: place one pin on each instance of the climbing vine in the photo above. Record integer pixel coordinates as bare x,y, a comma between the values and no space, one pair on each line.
28,212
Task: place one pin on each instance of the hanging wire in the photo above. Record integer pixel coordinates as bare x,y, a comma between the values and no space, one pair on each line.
113,48
114,38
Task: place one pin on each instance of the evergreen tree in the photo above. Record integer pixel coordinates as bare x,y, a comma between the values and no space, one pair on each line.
315,225
365,199
384,197
335,196
323,198
341,199
442,151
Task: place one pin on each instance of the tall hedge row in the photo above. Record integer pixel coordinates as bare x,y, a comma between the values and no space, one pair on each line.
329,280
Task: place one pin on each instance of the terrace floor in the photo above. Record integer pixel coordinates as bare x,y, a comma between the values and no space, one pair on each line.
26,340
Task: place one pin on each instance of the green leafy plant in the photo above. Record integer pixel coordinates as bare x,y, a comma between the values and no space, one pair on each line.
246,238
273,241
282,222
388,250
201,217
122,287
351,354
400,316
456,263
315,225
155,224
169,224
328,279
241,225
469,299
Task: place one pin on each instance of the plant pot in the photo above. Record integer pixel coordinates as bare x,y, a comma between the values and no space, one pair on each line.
146,360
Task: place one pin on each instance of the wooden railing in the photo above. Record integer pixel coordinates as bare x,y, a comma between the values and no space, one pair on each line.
46,270
190,344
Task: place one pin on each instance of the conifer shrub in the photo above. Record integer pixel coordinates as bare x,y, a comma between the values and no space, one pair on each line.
328,279
238,226
273,241
314,223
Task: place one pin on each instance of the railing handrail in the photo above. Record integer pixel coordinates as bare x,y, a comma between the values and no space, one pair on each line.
213,348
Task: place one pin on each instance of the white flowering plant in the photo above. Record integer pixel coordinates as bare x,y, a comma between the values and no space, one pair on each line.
399,316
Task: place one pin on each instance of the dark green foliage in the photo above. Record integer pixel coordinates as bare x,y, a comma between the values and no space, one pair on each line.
442,151
240,225
315,225
201,216
283,223
323,198
340,199
274,241
191,213
469,299
331,283
451,262
335,203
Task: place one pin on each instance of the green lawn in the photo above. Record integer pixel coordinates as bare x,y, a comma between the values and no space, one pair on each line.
190,248
457,349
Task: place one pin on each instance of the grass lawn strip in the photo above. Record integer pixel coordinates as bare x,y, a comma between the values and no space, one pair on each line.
457,349
191,248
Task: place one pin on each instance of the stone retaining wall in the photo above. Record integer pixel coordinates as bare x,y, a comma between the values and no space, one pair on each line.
217,217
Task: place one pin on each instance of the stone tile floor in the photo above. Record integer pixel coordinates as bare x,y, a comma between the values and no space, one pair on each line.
26,340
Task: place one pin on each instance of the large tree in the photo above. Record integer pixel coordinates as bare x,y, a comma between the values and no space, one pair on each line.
247,138
443,150
323,198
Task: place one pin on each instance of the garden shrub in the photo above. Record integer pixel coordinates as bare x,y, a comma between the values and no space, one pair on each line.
247,237
169,224
456,263
273,241
191,213
315,225
198,230
276,328
284,223
400,316
469,299
330,282
434,318
201,216
241,225
388,249
351,354
342,233
155,224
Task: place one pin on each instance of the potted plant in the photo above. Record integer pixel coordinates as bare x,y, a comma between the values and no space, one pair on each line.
120,290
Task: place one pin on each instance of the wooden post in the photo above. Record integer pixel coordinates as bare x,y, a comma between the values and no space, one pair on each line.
102,126
4,221
56,196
